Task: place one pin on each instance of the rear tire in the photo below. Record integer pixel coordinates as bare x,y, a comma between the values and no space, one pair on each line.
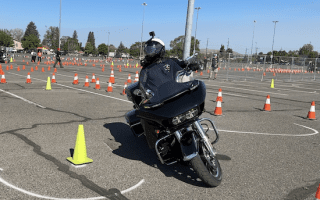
211,177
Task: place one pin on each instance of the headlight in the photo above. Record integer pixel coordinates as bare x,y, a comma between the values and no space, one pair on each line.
187,115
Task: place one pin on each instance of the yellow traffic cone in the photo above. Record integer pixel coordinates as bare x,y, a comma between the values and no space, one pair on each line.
272,84
80,151
11,60
137,65
48,87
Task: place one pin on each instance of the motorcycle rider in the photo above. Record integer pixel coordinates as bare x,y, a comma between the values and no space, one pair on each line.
157,79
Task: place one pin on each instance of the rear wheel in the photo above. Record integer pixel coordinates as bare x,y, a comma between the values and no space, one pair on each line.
207,167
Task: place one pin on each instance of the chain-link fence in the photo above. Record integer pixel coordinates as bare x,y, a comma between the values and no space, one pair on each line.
263,67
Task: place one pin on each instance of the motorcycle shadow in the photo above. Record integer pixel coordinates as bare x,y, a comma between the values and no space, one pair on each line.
126,145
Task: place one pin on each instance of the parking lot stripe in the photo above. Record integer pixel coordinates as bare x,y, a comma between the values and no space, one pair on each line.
23,99
77,89
274,134
133,187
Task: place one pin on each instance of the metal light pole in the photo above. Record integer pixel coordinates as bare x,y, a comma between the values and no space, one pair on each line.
275,22
254,25
108,43
195,34
188,30
60,26
144,5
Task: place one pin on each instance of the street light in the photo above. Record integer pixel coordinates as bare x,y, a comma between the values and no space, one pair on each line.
108,43
195,34
275,22
254,25
144,5
60,25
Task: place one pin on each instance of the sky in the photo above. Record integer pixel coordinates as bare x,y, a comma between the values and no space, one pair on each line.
218,21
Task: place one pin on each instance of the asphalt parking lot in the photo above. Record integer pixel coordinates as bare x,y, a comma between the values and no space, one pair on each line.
263,155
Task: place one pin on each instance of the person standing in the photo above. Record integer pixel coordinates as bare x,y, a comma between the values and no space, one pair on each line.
58,59
39,55
214,66
33,56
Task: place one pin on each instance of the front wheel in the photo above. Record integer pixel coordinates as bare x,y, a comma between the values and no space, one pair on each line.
207,167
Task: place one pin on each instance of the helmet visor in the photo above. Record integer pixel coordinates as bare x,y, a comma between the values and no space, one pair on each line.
152,48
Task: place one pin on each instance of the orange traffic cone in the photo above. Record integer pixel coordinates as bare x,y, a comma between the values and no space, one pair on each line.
7,68
102,69
55,70
93,80
109,89
23,67
49,68
43,69
267,105
11,67
112,77
129,79
75,79
36,68
86,84
201,73
136,79
31,69
53,80
312,112
219,97
18,69
318,193
97,87
28,78
124,88
218,110
3,78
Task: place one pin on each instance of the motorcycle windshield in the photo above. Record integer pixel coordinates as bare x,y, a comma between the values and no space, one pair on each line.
176,105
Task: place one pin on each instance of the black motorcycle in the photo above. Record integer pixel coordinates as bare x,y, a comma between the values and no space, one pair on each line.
177,129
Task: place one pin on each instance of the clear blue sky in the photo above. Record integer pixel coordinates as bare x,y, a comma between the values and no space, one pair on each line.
218,20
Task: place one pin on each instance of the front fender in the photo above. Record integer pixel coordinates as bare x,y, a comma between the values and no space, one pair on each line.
188,144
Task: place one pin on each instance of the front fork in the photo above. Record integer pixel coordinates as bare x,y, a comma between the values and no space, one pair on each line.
203,136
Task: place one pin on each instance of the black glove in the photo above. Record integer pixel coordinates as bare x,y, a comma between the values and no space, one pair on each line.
194,66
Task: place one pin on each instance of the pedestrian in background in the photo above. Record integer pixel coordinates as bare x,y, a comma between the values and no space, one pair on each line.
58,59
39,55
33,56
214,66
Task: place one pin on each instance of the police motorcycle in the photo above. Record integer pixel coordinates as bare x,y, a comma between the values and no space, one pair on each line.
175,125
3,56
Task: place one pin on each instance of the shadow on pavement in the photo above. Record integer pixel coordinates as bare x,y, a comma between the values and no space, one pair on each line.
128,146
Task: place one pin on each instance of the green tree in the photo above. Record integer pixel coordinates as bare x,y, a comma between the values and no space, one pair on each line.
31,42
17,34
306,49
103,49
51,37
71,45
112,48
313,54
31,30
89,48
91,39
229,50
135,49
75,35
177,46
121,49
6,39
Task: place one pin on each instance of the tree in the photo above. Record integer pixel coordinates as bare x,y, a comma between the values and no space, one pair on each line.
31,30
112,48
75,35
177,46
121,49
103,49
313,54
91,39
17,34
89,48
30,42
6,39
135,49
229,50
51,37
306,49
71,45
261,53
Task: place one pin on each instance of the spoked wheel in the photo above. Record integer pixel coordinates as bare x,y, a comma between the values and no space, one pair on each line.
207,167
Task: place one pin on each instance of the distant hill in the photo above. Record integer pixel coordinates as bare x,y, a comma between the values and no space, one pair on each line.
210,51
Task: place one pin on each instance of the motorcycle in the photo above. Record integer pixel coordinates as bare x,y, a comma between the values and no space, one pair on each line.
176,126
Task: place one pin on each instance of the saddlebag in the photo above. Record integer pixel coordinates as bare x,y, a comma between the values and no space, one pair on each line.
134,123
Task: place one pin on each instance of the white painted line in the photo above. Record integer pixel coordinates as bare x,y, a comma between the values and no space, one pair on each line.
234,95
23,99
133,187
250,90
78,89
273,134
54,198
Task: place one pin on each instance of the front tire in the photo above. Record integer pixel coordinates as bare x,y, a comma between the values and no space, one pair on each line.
207,168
